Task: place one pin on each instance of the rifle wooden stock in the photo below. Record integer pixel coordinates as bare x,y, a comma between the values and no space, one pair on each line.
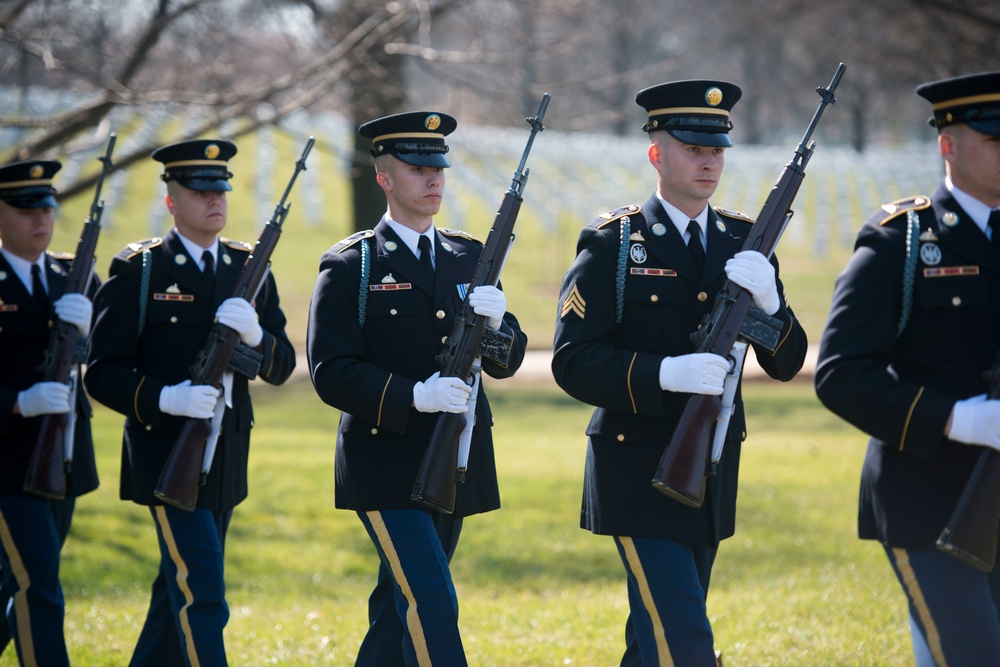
973,528
182,474
180,478
48,466
971,533
681,474
434,487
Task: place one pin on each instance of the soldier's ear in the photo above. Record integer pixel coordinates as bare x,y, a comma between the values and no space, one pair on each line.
169,201
383,181
654,154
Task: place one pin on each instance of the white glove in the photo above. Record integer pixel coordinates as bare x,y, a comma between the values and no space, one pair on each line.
441,394
698,373
239,315
488,301
44,398
750,270
75,309
976,421
187,400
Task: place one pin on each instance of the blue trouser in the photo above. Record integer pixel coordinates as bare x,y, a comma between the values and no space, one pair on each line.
32,532
953,608
667,588
413,610
187,609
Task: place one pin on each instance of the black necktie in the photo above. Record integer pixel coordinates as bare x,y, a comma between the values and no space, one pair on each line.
38,289
694,245
209,270
424,244
994,224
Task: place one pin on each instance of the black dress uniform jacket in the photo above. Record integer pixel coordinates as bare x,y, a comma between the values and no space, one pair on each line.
24,336
127,369
368,371
615,366
901,390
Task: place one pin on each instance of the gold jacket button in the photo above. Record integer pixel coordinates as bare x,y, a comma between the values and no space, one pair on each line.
621,437
956,301
654,298
374,431
149,427
702,296
440,314
444,340
173,319
393,311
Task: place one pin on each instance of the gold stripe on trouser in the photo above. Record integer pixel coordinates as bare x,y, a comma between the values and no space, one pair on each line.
182,584
920,603
413,623
27,644
662,649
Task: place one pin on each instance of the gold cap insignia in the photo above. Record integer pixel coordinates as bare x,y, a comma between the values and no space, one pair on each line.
36,171
212,151
432,122
713,96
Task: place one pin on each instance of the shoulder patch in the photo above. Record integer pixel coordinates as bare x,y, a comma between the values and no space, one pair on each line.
734,214
612,216
236,245
133,249
459,233
900,206
341,246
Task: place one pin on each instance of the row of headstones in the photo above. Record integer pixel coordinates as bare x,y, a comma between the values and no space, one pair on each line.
573,176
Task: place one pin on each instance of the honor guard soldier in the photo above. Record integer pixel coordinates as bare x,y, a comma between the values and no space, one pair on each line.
152,318
912,330
643,279
383,305
34,528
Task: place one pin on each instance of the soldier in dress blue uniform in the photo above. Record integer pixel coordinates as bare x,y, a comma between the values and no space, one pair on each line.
643,279
33,529
913,326
152,317
384,302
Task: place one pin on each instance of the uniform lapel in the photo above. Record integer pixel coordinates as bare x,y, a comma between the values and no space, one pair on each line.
721,246
397,257
182,269
13,291
668,247
449,264
55,276
964,237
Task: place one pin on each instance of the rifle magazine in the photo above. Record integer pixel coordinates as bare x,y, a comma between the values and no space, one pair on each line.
761,329
495,345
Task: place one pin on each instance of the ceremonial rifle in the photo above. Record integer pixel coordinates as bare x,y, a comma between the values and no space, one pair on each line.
187,466
972,529
52,456
441,469
685,462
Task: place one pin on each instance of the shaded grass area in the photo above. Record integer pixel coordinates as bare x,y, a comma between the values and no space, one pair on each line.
793,587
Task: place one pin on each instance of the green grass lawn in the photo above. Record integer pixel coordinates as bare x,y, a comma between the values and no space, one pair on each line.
793,587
